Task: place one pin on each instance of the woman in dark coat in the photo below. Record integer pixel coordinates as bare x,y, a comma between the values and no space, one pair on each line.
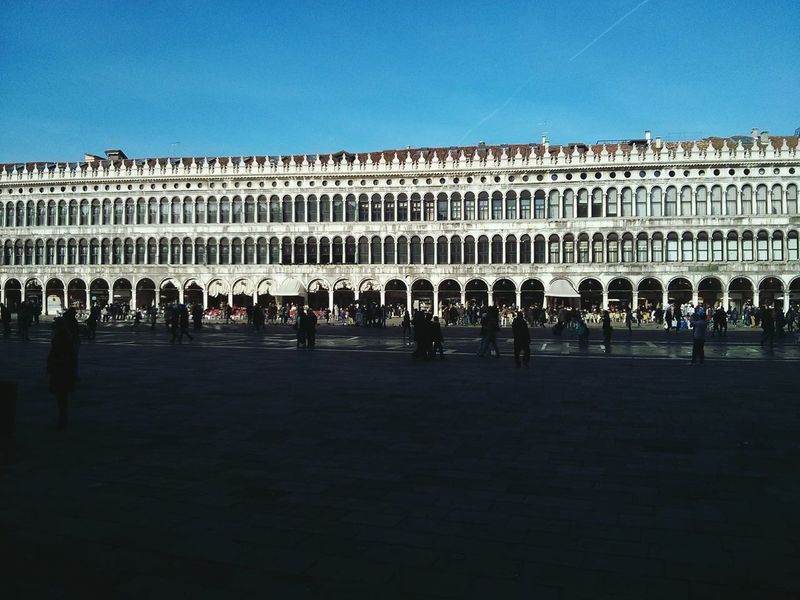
62,367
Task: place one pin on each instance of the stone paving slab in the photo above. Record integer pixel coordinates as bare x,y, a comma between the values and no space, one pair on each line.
217,470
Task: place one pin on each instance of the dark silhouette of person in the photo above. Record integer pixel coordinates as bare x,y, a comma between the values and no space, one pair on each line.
437,338
699,327
91,324
522,339
310,326
62,366
768,326
183,323
197,316
605,319
5,317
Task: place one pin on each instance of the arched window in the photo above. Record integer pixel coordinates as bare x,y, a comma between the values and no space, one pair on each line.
641,202
746,196
299,251
612,248
627,247
455,207
701,201
511,250
497,250
642,246
262,251
363,208
732,245
287,208
176,210
350,250
312,209
483,208
747,246
568,255
428,207
376,207
211,210
311,251
199,251
363,250
497,206
249,210
553,208
375,250
274,251
761,200
687,247
597,248
792,246
583,248
274,209
324,251
483,250
656,202
152,252
416,207
554,244
525,205
441,207
402,207
671,202
287,250
730,200
657,247
597,203
469,250
441,250
416,250
350,208
388,208
583,203
262,210
568,199
338,208
163,211
187,250
717,247
611,202
237,210
762,245
627,202
716,200
324,209
672,247
539,250
388,250
175,251
791,199
455,250
402,250
299,209
777,200
702,244
777,245
428,251
188,211
337,251
525,250
511,205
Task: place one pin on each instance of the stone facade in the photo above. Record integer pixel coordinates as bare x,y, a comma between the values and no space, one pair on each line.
639,221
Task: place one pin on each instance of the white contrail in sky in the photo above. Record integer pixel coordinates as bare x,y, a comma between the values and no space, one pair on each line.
529,79
617,22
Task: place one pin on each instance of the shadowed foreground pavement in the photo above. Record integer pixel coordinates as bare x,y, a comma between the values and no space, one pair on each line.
201,472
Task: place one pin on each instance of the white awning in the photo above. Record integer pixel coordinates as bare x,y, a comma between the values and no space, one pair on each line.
561,288
289,287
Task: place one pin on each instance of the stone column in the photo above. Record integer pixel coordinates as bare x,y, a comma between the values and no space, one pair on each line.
134,306
695,297
383,297
180,295
786,297
435,308
726,300
519,299
230,297
665,299
605,300
463,297
205,298
330,300
255,296
756,299
635,300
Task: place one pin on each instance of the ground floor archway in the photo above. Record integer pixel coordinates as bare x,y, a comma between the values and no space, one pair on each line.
770,292
145,293
620,294
740,293
591,291
396,295
76,294
504,293
99,292
12,294
532,293
679,291
651,293
476,292
54,291
422,295
709,292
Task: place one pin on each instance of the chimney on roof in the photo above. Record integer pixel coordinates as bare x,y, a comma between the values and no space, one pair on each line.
658,141
90,158
115,154
481,144
764,137
647,136
754,133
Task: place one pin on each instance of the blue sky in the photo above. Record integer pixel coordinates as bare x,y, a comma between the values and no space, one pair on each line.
243,78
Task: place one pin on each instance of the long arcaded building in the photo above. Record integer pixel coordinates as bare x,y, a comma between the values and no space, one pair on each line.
636,221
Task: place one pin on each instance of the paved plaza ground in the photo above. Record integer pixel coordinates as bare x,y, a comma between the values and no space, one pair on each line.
238,466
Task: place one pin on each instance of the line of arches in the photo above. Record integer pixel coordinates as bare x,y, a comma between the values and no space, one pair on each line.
650,290
627,247
525,204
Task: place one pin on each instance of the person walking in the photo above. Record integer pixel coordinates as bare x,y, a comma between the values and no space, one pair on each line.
438,338
605,319
91,324
5,317
628,319
299,328
406,329
310,326
699,326
768,327
522,340
62,367
183,323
